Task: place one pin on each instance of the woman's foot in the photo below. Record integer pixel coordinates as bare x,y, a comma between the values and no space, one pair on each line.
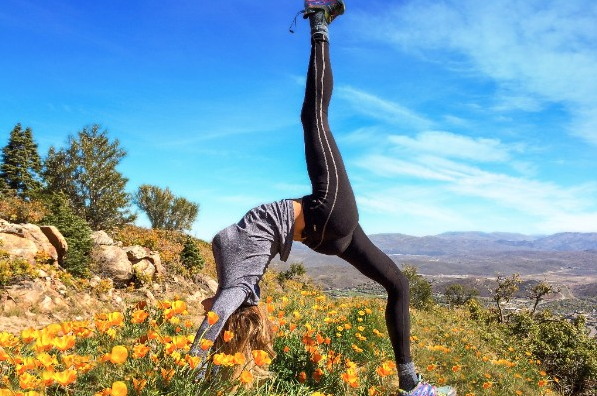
426,389
331,8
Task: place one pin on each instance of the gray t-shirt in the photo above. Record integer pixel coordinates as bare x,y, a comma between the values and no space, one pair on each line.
243,252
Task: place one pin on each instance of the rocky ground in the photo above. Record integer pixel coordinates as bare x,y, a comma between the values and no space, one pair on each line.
47,299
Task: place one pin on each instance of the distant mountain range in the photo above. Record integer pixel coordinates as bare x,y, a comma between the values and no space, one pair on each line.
474,242
473,254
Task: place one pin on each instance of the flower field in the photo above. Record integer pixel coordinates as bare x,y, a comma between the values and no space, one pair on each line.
324,346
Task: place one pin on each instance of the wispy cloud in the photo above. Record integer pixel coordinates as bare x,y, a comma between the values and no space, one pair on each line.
537,51
445,170
454,146
382,109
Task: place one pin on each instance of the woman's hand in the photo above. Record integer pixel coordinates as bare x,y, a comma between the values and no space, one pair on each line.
208,303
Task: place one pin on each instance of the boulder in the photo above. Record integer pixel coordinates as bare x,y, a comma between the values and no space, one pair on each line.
154,257
136,253
206,282
57,240
101,238
18,246
113,263
42,242
26,241
144,269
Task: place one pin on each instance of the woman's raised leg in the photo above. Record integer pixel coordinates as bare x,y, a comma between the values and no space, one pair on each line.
330,210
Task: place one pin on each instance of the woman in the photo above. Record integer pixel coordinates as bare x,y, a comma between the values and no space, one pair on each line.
326,220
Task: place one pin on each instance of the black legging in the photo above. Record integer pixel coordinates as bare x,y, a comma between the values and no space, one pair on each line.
330,211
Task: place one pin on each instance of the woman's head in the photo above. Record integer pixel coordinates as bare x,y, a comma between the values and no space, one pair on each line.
252,331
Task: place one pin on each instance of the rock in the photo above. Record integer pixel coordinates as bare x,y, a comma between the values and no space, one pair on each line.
57,240
101,238
113,263
18,246
26,241
94,281
8,304
196,297
26,294
42,242
46,305
151,260
154,257
136,253
150,296
144,269
206,282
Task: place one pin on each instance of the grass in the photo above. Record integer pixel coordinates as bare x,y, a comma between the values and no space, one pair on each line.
325,346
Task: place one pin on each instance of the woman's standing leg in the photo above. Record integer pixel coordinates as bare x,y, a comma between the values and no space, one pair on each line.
376,265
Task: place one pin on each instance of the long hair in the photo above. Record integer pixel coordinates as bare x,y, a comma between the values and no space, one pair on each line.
252,331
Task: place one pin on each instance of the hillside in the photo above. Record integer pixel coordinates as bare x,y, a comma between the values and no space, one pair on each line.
567,258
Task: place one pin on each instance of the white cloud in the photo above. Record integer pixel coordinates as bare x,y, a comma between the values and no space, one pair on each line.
537,51
381,109
499,192
454,146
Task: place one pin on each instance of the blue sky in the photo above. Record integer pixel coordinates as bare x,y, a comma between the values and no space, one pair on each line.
456,115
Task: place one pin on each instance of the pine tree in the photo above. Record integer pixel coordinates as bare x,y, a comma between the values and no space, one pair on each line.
85,171
75,230
190,256
21,164
164,210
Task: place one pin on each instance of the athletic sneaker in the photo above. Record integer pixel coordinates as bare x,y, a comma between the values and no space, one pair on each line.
331,8
425,389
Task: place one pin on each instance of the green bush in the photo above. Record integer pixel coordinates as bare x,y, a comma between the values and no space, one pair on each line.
421,295
190,256
75,230
295,270
12,269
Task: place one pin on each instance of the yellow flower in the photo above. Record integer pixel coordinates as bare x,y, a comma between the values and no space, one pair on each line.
193,361
139,385
246,377
239,358
64,343
351,377
28,381
261,357
119,354
228,335
139,316
65,377
387,368
140,350
119,389
206,344
212,317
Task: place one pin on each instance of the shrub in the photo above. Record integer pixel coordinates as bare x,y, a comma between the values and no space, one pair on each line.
567,351
18,210
295,270
421,296
75,230
190,256
13,270
457,295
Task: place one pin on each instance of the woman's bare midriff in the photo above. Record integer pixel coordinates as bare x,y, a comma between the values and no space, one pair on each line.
299,220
